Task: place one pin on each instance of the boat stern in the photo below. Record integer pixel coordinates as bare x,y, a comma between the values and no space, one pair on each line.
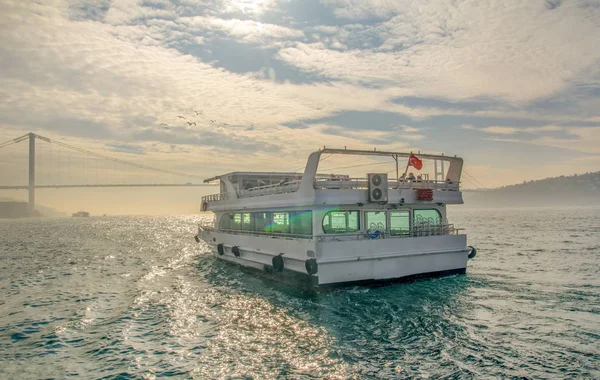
386,259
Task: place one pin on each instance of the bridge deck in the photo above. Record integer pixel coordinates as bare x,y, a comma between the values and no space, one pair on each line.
106,185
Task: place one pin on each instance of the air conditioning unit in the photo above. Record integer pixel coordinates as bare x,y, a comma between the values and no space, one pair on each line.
378,187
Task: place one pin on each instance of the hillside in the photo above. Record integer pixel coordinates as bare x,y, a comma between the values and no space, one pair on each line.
12,208
581,189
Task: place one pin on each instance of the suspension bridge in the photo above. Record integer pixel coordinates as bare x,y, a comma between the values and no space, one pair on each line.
67,166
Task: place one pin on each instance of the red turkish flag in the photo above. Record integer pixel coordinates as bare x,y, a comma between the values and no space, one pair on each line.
414,161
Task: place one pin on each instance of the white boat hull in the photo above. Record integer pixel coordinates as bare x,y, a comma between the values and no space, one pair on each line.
346,259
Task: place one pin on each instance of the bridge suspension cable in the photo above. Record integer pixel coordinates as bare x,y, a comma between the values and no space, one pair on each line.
116,160
476,182
14,141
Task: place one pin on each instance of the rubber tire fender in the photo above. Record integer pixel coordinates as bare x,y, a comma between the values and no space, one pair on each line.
220,249
311,266
278,263
236,251
472,252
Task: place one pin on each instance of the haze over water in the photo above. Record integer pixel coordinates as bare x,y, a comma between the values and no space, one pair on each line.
136,296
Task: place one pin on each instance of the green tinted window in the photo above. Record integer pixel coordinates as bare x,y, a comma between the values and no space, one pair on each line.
298,222
431,216
301,222
247,222
375,220
341,222
400,222
280,222
224,222
262,221
235,222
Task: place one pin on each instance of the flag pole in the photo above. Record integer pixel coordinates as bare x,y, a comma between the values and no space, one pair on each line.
404,175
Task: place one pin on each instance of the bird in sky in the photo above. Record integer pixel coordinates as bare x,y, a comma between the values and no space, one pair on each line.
181,117
213,121
189,123
198,113
164,124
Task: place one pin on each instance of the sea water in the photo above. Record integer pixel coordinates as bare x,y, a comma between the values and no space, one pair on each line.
136,297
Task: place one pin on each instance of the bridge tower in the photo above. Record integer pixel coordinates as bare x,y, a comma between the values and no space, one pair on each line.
31,172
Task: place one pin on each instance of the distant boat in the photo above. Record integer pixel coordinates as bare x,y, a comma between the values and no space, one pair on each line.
81,214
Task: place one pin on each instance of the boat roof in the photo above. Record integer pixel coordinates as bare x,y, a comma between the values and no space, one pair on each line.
387,153
337,151
257,174
263,174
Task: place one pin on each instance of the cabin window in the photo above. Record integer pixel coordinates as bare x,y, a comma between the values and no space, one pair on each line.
280,222
236,222
431,216
301,222
247,222
234,182
262,221
400,222
250,184
375,220
298,222
224,222
341,222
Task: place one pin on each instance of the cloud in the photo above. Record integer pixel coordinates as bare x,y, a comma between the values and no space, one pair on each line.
123,12
581,139
242,30
87,71
126,148
513,51
281,78
410,129
501,130
220,140
357,10
393,136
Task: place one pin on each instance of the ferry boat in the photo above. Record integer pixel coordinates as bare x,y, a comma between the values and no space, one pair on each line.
81,214
331,229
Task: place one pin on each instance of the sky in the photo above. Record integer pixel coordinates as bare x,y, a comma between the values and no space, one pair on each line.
511,86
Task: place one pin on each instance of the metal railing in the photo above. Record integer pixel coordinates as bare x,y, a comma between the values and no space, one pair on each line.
415,231
333,184
363,184
215,197
261,233
422,230
287,187
426,184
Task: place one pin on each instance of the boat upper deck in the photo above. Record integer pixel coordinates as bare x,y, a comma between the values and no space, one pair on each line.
280,189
